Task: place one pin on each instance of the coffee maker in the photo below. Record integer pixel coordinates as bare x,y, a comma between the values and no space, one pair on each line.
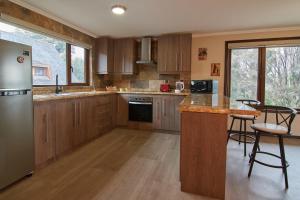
179,86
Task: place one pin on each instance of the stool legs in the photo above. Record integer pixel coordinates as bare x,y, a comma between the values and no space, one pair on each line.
245,137
241,124
254,150
283,161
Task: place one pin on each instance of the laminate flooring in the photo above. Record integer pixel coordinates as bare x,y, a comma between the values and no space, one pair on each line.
142,165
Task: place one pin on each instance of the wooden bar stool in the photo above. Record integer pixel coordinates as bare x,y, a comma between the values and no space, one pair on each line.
284,119
243,118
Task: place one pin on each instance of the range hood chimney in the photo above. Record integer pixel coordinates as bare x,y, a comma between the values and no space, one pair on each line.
145,51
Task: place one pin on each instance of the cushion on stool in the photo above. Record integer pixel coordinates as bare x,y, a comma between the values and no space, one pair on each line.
249,117
270,128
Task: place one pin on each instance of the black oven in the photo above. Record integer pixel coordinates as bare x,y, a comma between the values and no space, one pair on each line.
204,86
140,109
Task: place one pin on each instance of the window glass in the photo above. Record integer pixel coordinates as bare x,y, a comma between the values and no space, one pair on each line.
244,73
282,83
77,64
46,51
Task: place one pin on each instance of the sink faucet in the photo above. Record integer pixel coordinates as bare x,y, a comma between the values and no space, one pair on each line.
58,88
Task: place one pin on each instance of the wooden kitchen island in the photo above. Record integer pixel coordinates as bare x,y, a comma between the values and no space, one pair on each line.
203,142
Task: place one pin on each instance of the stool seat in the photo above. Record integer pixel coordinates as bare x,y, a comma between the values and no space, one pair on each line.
270,128
247,117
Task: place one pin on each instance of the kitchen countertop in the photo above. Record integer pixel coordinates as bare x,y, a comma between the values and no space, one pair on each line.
68,95
213,103
72,95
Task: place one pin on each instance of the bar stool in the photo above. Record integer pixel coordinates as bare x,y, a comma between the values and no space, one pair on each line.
243,118
284,119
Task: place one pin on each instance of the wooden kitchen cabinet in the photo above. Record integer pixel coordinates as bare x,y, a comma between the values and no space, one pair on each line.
44,132
122,110
174,53
185,43
65,125
103,119
166,115
105,55
82,116
177,117
124,56
157,112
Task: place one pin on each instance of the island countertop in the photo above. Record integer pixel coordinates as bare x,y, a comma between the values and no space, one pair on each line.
214,103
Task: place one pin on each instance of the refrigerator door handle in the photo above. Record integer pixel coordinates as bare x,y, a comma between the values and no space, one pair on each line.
13,92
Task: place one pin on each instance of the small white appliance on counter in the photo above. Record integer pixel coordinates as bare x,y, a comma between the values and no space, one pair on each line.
179,86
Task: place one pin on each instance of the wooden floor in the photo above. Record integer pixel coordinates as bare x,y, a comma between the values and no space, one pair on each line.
129,164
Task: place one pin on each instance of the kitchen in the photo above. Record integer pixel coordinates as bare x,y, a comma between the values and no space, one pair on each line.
111,114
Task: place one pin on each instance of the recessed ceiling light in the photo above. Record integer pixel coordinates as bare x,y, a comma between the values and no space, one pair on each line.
118,9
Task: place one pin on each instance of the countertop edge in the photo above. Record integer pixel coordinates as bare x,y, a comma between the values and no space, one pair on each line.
52,97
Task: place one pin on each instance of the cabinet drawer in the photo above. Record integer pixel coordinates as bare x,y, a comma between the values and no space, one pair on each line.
103,100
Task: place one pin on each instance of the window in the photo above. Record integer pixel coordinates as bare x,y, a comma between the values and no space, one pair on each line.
282,79
269,73
49,57
244,68
78,65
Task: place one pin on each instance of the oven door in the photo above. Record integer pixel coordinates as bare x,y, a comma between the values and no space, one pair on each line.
140,111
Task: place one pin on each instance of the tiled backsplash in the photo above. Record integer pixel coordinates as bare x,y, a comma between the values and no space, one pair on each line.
148,78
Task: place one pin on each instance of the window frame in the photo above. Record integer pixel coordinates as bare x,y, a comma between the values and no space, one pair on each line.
69,67
68,56
261,66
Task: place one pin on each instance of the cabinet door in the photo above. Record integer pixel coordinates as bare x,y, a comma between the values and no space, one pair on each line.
129,56
185,52
65,125
122,110
44,132
157,112
118,56
173,54
162,54
177,114
82,117
168,112
104,55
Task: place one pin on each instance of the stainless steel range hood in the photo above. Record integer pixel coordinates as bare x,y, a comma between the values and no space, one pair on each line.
146,52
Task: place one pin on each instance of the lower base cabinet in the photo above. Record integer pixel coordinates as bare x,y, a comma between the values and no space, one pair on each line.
62,125
166,115
44,132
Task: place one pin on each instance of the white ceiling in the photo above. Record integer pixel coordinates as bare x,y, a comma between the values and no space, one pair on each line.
153,17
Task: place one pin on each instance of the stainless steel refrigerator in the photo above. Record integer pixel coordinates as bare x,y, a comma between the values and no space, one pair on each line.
16,113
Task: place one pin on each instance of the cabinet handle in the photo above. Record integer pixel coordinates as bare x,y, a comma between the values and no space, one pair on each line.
176,61
123,68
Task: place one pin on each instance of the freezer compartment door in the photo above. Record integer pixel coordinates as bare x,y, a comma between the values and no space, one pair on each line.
15,66
16,138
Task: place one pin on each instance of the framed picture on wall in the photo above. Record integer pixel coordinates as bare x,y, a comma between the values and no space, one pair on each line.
215,69
202,54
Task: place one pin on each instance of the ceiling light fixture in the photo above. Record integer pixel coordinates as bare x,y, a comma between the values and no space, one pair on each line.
118,9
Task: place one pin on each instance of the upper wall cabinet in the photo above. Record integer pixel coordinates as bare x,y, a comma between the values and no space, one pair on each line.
174,53
124,56
105,55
